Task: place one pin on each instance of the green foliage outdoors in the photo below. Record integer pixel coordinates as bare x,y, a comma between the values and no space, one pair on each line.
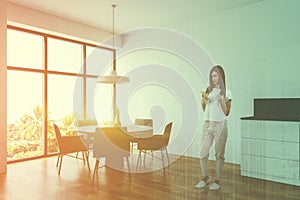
25,137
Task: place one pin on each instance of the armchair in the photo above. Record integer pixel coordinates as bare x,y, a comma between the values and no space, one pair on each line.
155,143
113,144
88,139
142,122
67,145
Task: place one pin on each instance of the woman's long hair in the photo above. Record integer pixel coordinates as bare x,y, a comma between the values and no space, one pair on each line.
221,74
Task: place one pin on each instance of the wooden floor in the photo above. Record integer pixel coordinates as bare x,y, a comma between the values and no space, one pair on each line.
38,180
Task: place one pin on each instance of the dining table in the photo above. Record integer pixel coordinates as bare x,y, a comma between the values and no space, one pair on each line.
132,130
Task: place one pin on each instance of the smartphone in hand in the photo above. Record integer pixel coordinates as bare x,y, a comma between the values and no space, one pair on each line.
204,95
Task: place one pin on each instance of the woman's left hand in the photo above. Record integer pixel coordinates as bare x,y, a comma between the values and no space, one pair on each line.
220,98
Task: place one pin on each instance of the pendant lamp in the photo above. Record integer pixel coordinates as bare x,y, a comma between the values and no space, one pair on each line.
113,77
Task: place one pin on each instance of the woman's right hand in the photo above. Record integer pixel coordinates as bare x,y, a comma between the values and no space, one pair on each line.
204,96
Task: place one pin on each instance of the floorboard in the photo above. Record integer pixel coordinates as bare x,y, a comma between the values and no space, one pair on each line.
38,179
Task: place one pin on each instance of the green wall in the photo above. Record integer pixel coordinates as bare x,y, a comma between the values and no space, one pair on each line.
258,44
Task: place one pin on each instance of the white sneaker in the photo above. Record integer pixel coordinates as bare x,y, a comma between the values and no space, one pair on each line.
214,186
201,184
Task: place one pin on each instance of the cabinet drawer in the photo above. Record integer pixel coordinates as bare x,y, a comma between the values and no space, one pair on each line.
273,149
270,130
271,166
271,178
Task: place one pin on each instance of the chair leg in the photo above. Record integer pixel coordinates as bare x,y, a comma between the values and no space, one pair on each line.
58,158
96,169
167,156
87,160
139,159
131,147
77,155
145,152
128,166
61,159
162,159
83,157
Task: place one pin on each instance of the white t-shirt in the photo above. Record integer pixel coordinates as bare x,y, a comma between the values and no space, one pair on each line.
213,109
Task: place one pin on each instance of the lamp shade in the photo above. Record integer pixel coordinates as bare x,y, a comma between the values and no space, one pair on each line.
113,78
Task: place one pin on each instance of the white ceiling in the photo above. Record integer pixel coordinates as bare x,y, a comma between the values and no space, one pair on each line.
130,14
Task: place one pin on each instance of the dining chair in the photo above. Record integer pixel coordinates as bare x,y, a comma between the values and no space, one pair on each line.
157,142
86,122
67,145
141,122
112,144
88,139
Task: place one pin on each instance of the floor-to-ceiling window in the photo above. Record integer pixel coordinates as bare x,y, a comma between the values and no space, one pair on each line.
48,81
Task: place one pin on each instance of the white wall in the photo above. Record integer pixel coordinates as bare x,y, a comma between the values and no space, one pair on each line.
153,57
2,87
258,44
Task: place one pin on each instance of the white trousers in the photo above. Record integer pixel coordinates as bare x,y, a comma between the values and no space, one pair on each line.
213,132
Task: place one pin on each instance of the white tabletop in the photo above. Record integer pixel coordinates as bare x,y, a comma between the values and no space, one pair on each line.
132,129
86,129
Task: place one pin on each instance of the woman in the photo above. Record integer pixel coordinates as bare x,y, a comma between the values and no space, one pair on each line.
216,103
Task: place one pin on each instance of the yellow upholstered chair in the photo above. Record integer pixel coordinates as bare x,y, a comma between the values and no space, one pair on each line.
86,122
113,144
88,138
155,143
67,145
141,122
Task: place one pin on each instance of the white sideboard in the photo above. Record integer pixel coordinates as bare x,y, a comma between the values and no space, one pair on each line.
271,150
